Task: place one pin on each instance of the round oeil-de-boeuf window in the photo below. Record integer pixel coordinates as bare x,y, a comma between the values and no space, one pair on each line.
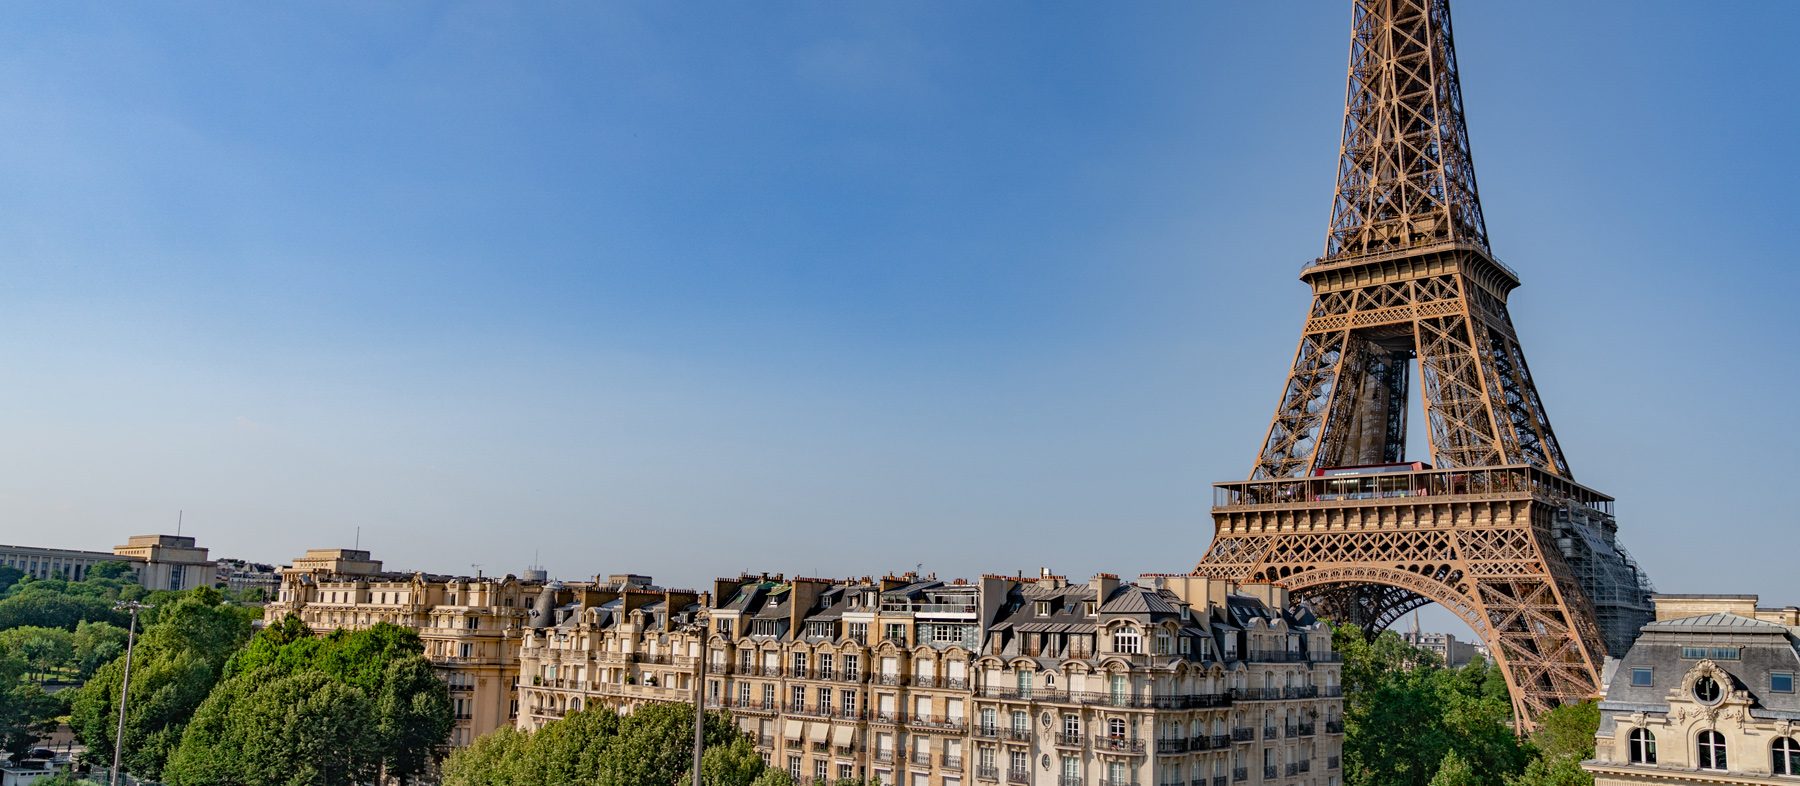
1706,689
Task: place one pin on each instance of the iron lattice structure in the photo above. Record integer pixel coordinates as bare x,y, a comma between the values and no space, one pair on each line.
1496,530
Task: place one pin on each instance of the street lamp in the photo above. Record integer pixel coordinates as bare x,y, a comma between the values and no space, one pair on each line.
125,688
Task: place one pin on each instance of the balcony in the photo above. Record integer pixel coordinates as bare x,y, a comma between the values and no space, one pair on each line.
1118,745
1293,730
1332,692
1334,727
924,682
989,732
719,668
1274,656
1068,780
766,740
1018,776
1068,740
799,674
1325,657
1243,735
1271,772
850,714
1016,735
1164,747
1221,740
1331,763
1240,774
920,758
951,762
886,756
1308,729
1271,733
1305,765
1200,743
852,675
1293,769
887,717
890,679
825,674
1111,782
1255,694
1302,692
987,772
772,671
1220,780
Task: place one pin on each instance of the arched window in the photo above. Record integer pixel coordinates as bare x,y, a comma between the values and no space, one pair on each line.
1127,640
1643,747
1712,750
1115,728
1786,756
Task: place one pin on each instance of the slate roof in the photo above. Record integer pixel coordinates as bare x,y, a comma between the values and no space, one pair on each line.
1715,623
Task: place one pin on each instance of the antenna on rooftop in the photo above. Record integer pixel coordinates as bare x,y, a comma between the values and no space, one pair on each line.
358,545
178,523
477,569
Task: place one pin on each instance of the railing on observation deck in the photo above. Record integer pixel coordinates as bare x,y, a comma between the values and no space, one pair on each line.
1510,482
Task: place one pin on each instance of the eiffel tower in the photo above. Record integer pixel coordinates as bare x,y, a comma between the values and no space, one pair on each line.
1494,527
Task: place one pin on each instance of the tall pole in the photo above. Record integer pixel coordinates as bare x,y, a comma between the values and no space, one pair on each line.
699,709
125,686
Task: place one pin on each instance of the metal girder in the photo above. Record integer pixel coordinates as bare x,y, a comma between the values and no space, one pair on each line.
1408,286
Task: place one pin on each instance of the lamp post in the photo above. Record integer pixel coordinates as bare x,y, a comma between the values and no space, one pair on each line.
125,687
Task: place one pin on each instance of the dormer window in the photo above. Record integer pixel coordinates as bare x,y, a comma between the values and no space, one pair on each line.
1127,640
1043,608
1089,608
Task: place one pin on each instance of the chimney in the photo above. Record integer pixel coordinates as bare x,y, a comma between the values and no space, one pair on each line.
1103,585
1275,596
805,593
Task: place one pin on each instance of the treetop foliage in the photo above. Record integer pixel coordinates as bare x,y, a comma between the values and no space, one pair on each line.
653,744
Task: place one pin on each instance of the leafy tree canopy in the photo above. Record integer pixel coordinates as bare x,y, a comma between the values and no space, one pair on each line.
599,747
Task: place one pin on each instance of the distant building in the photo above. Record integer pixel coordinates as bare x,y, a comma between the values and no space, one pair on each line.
169,562
1454,653
158,561
1706,695
239,575
470,626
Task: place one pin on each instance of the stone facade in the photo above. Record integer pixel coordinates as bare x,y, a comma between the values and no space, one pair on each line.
470,626
160,562
1706,695
1172,680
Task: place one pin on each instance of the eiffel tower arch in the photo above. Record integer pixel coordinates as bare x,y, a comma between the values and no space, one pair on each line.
1493,527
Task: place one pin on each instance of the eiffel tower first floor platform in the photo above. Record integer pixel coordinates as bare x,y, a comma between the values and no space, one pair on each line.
1508,549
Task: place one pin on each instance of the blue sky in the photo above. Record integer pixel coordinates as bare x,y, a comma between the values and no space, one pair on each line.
830,288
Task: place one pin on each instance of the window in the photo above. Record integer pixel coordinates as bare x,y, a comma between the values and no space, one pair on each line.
859,633
849,703
1043,608
794,767
1128,641
1072,725
1187,646
1693,653
1021,723
1781,682
1115,728
1643,747
1785,756
1706,690
799,699
825,700
1640,678
896,632
1712,750
1725,653
821,770
1089,608
1020,763
1162,642
989,720
769,695
1025,684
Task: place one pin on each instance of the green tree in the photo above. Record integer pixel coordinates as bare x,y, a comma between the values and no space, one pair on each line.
263,729
96,644
1564,737
43,604
45,649
1454,770
1404,713
408,710
9,576
598,747
178,661
112,570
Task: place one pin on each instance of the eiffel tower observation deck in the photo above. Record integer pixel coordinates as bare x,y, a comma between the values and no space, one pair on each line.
1494,526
